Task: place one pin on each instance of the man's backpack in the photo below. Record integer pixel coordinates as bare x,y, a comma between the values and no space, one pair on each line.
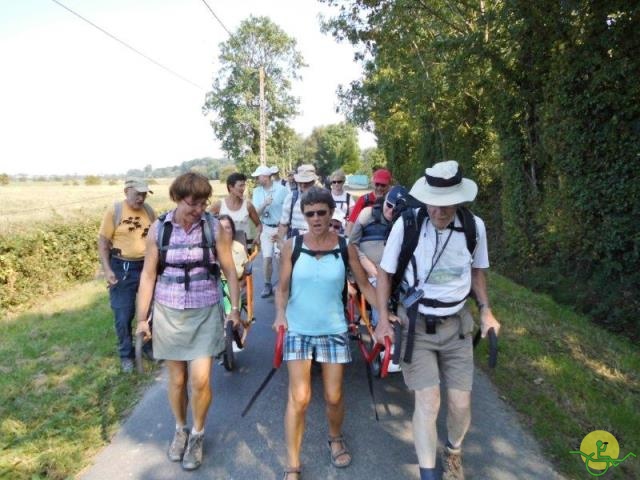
413,221
342,250
378,229
208,243
294,198
117,213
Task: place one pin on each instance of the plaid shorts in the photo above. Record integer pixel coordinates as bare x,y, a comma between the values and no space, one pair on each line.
324,348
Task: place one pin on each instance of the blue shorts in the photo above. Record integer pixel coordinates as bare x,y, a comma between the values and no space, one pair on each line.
324,348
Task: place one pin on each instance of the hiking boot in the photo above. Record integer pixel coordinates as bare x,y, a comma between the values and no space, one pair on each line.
452,463
126,364
193,454
266,291
179,443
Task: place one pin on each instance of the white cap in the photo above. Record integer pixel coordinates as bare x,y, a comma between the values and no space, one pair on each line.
262,170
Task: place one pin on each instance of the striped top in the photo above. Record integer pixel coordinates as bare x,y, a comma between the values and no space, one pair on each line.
186,248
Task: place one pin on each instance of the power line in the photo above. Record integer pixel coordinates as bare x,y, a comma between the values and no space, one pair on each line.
184,79
216,17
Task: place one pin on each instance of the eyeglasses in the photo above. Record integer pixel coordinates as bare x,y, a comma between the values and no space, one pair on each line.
333,182
335,226
389,205
312,213
305,184
204,204
381,185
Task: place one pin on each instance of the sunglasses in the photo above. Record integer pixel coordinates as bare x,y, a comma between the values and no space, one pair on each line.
389,205
381,185
333,182
312,213
335,226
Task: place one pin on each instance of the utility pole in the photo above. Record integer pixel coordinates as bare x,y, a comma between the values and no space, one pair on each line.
263,123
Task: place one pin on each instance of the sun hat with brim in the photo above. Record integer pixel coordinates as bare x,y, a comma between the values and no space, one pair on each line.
138,184
274,169
443,186
305,174
261,170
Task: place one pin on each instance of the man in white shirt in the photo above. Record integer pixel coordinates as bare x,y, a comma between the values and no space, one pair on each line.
437,327
292,221
268,198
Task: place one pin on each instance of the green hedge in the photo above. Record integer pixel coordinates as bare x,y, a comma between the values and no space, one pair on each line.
46,260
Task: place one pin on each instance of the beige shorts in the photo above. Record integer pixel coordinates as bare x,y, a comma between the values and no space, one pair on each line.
443,355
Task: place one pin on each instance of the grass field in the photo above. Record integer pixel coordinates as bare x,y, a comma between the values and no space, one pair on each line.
26,205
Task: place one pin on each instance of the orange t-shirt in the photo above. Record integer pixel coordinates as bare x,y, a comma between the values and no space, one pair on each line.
130,235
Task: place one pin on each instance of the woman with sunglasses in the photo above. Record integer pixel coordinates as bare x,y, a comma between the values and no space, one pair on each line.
344,200
181,278
309,305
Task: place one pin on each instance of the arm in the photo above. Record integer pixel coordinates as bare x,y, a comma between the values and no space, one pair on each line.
255,218
383,292
223,252
104,250
282,292
479,288
147,281
361,277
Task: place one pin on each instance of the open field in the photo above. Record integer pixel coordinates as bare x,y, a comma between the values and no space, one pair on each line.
26,204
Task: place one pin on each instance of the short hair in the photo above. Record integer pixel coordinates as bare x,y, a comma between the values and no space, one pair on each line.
224,216
317,195
191,184
338,174
234,178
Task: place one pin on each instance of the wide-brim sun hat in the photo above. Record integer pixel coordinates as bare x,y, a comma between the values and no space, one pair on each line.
305,174
443,185
261,170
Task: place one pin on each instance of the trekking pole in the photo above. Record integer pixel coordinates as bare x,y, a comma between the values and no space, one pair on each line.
493,345
277,361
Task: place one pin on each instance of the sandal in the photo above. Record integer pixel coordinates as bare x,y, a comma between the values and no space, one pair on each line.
295,470
343,451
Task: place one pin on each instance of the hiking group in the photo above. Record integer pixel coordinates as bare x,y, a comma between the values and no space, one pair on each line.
416,255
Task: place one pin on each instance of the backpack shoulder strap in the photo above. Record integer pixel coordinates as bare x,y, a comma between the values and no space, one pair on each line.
468,227
297,248
117,214
208,229
346,215
294,199
162,240
412,223
150,213
344,251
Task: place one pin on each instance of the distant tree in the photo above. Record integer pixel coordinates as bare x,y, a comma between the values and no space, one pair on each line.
92,180
372,159
235,96
226,171
337,147
4,179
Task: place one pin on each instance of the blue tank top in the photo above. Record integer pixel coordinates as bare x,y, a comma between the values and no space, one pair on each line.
315,300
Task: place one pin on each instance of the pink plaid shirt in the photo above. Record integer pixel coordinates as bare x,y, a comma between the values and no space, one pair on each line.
201,293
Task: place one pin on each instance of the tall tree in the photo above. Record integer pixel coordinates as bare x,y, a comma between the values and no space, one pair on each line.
336,146
235,96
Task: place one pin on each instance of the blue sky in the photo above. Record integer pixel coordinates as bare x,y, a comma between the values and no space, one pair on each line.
73,100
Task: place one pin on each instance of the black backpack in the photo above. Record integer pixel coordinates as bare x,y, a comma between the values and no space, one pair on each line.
342,250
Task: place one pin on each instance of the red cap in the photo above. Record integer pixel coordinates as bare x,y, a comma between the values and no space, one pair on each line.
382,176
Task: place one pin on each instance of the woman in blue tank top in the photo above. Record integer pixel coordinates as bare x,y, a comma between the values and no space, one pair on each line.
309,304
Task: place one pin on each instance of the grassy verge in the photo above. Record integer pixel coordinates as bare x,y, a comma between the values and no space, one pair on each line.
61,391
566,377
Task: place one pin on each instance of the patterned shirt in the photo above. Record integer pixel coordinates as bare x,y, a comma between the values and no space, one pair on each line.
202,292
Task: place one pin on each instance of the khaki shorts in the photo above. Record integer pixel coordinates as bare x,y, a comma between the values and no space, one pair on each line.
443,355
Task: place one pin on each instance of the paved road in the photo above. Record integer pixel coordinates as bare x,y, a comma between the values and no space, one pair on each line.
496,448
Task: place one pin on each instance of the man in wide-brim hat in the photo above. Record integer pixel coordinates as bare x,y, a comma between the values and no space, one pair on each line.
449,261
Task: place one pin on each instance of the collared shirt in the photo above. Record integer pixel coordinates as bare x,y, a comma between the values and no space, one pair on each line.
271,214
201,293
450,277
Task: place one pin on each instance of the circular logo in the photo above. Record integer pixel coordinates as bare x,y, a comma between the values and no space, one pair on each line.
602,445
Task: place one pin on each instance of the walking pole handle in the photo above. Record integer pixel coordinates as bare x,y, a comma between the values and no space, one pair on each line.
277,354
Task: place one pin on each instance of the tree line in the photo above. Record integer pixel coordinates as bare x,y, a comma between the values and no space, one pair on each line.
540,102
